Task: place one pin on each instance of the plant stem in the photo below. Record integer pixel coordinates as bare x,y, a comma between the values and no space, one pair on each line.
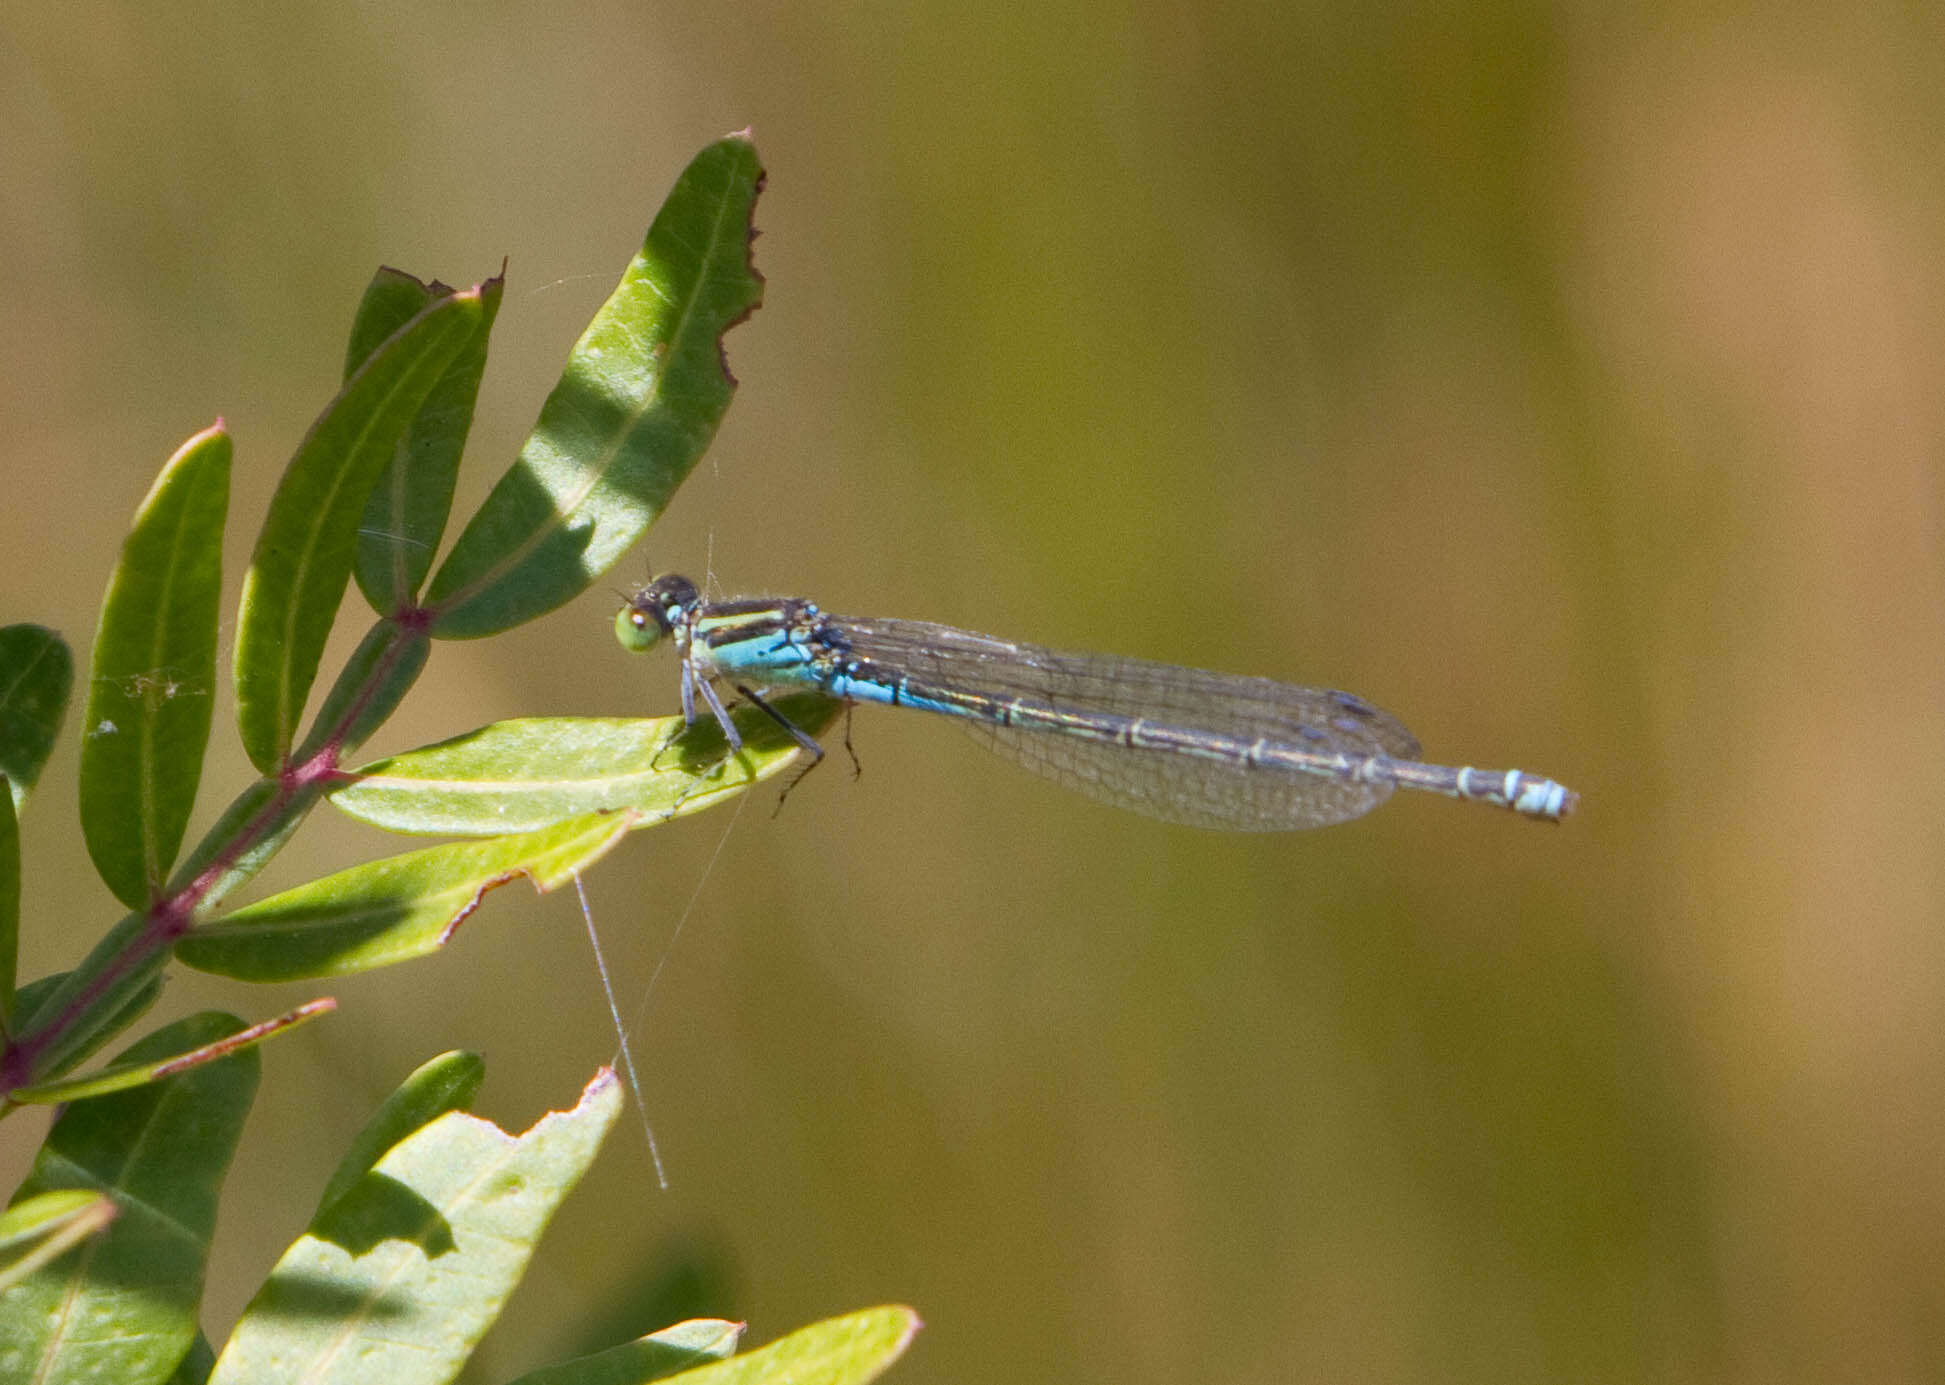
76,1019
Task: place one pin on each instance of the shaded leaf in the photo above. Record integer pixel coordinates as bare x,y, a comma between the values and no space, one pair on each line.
260,823
640,400
304,554
387,911
839,1351
152,689
401,1275
9,908
62,1019
375,679
518,775
30,997
654,1357
122,1307
195,1366
406,514
392,299
447,1083
36,673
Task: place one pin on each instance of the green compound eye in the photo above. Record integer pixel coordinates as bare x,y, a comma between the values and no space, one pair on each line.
637,630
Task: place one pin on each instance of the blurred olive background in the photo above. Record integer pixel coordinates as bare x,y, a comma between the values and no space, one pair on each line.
1563,378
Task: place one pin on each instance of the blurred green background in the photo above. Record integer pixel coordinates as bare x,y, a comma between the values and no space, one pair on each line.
1565,379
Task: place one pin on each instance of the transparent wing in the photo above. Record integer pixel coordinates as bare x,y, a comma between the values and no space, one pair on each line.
1165,784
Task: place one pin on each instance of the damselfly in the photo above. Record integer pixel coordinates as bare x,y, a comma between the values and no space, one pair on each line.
1181,744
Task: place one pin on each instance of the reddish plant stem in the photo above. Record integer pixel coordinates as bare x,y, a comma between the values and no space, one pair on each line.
172,915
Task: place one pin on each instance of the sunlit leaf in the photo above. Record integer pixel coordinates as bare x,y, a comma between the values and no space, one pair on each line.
637,405
654,1357
839,1351
387,911
519,775
41,1228
402,1273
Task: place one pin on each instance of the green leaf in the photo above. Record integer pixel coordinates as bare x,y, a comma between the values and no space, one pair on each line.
91,1004
30,997
654,1357
303,556
447,1083
153,685
255,816
121,1076
392,299
29,1219
42,1228
375,679
523,774
406,514
840,1351
36,672
195,1367
9,908
123,1306
637,405
401,1275
387,911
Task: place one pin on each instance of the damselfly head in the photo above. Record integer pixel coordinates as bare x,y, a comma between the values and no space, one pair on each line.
655,611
